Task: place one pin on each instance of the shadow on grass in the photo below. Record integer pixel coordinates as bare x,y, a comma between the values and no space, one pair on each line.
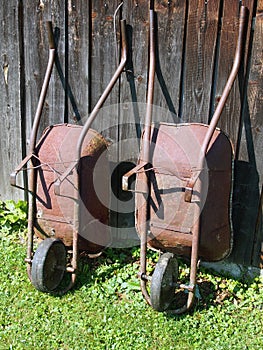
115,261
89,270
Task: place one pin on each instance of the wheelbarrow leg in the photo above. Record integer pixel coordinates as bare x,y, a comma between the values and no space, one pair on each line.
77,228
193,265
191,287
32,174
193,181
146,156
143,251
31,218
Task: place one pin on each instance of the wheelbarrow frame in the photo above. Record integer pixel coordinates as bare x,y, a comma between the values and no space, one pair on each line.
144,164
32,178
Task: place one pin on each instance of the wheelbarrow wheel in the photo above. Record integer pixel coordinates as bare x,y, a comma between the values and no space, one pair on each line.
163,282
49,265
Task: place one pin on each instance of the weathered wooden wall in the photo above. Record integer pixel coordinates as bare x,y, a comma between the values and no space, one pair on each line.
195,48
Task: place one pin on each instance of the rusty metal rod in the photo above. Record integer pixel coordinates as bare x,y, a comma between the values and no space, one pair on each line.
97,107
43,94
146,156
209,134
150,92
216,116
106,92
33,138
236,64
84,132
35,127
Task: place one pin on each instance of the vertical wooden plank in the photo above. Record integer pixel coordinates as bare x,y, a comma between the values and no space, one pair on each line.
131,113
11,79
201,42
246,193
243,152
171,17
250,150
229,120
134,82
78,58
230,117
103,65
255,103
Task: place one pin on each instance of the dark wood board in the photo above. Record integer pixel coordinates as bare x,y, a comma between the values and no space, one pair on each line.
201,39
171,17
228,38
103,64
133,89
245,186
255,105
11,92
78,59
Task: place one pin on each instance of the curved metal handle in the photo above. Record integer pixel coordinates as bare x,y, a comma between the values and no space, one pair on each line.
237,61
106,92
145,158
35,127
51,39
44,89
96,109
216,116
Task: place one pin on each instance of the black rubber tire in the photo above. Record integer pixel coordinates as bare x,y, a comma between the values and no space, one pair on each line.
49,265
163,282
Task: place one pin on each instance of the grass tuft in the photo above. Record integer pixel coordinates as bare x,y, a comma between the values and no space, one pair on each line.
107,311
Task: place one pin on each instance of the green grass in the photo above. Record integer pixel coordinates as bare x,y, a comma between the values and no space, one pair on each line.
107,311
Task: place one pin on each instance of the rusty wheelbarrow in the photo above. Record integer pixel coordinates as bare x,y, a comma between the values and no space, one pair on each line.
64,211
183,192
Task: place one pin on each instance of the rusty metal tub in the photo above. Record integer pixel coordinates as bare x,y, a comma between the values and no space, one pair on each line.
174,155
55,213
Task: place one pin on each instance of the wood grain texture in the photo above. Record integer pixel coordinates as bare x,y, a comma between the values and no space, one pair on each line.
170,25
103,65
199,59
11,79
255,137
134,82
229,119
133,87
78,60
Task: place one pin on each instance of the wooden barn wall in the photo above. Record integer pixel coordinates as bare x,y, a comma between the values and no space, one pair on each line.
195,47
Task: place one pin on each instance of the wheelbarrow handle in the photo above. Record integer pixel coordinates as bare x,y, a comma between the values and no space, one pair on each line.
145,158
243,19
35,127
43,94
96,109
106,92
237,61
150,90
51,39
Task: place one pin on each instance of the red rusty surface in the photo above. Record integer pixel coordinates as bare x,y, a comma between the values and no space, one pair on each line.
55,213
174,154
